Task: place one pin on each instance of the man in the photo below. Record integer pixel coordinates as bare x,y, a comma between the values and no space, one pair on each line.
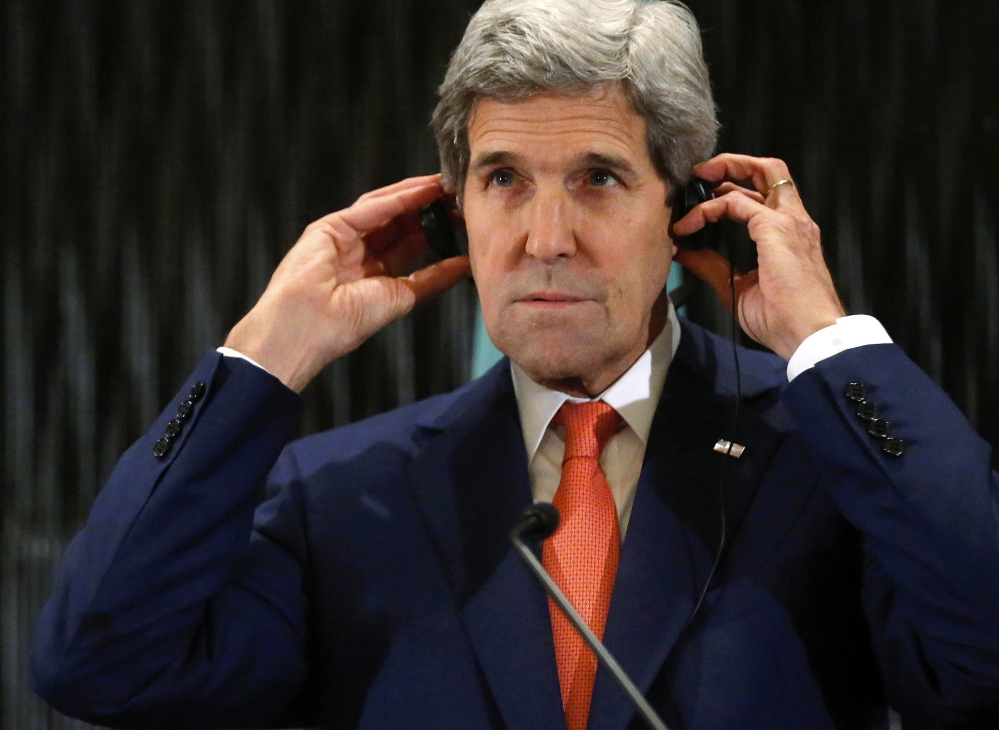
375,588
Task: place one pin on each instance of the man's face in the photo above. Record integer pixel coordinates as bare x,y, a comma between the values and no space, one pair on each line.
568,235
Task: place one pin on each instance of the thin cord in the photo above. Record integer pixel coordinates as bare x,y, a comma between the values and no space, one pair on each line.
724,469
721,476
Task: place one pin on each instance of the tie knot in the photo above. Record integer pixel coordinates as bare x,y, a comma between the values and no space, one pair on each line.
588,426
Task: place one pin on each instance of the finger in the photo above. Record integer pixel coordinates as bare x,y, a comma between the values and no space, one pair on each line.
728,166
764,172
392,232
397,259
731,187
356,245
373,213
734,206
783,191
712,267
400,257
419,186
434,280
409,182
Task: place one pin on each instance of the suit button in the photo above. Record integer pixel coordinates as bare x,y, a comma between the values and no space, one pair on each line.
197,390
893,447
867,411
856,392
174,428
879,428
185,409
162,448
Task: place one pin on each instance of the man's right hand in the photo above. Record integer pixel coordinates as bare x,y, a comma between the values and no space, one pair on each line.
343,281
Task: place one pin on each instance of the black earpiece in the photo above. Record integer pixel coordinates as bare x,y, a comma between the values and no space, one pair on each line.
684,200
443,234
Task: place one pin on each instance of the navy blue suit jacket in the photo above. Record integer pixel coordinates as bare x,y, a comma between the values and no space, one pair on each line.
375,588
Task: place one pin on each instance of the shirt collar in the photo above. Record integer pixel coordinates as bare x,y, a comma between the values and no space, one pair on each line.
634,395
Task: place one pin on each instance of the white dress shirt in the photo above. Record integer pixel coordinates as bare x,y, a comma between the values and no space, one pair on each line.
635,396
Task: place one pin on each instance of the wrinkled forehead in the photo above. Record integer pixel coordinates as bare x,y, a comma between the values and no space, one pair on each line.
550,126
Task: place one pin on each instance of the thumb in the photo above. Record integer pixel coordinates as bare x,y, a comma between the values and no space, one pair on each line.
712,267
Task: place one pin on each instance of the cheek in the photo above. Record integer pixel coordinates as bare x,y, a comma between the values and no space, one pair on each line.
490,251
485,274
478,245
642,275
480,255
658,258
630,303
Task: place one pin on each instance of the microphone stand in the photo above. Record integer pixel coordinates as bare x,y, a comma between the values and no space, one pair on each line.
538,522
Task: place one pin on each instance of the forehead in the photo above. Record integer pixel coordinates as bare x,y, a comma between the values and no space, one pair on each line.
601,122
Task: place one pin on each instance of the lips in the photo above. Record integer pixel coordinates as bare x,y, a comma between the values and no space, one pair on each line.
551,302
551,296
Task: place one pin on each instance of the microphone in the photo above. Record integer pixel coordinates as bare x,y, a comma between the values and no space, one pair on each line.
539,522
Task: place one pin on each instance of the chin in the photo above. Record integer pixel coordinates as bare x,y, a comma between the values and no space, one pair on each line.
559,358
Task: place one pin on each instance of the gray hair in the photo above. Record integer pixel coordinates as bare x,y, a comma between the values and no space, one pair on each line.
513,49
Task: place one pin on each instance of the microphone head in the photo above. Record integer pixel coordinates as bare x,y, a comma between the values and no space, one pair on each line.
537,522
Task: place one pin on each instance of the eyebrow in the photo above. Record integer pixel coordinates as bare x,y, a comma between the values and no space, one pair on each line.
590,159
613,162
489,159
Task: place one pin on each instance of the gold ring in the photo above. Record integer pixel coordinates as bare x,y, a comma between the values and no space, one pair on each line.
777,184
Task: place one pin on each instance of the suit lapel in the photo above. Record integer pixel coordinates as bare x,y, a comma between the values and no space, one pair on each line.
471,482
675,525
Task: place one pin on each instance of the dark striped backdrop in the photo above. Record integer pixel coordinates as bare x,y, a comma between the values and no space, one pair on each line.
159,157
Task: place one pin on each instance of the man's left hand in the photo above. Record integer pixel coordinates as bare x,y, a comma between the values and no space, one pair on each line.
791,295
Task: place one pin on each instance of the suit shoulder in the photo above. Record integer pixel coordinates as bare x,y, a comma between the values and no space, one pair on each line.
398,433
760,372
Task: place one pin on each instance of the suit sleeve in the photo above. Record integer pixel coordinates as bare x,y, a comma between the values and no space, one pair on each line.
170,609
930,521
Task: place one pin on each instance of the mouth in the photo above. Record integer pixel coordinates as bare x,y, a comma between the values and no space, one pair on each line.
550,300
551,296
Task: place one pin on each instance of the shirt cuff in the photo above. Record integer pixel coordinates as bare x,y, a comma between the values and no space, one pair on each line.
229,352
848,332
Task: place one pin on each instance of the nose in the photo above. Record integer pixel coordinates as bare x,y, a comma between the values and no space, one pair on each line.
550,233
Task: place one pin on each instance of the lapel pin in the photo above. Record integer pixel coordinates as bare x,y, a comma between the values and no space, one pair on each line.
729,447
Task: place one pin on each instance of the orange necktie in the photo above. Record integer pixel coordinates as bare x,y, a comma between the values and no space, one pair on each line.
584,552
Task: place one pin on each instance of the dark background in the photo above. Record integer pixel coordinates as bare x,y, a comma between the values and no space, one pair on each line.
159,157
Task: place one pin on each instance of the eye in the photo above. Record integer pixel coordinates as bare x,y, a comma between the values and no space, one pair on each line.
602,178
502,178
